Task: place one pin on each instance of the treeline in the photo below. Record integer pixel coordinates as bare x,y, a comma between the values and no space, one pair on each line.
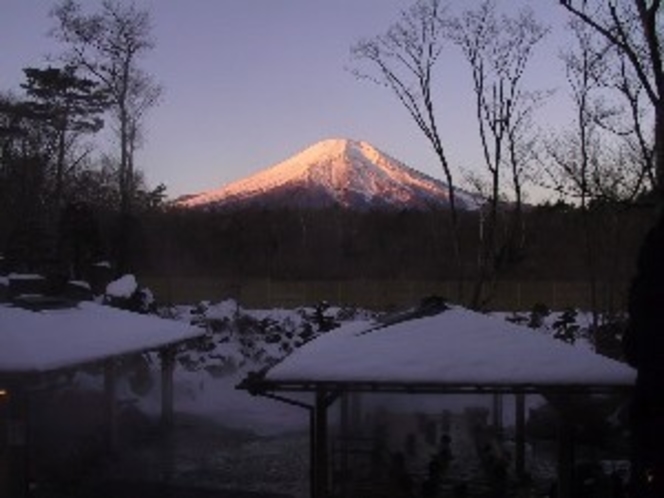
559,243
61,180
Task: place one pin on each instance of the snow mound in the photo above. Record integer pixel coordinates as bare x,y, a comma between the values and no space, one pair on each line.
122,288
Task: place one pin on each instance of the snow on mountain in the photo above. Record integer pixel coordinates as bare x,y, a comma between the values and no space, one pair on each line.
348,173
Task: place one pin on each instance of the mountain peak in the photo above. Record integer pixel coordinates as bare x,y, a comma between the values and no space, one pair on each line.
333,149
337,146
345,172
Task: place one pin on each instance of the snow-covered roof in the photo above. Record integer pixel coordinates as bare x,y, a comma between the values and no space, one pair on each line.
456,348
40,341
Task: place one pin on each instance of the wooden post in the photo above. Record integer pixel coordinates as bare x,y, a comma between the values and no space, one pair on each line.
167,356
110,393
4,446
344,432
520,436
321,483
17,441
498,415
312,454
565,456
355,412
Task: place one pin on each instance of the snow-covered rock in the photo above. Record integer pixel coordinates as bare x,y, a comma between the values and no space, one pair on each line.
123,287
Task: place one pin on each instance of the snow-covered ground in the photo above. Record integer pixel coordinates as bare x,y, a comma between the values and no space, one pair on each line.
239,341
255,443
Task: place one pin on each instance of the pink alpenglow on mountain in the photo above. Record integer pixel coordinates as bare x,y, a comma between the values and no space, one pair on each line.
347,173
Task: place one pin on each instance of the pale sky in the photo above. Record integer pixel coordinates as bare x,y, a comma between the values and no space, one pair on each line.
248,83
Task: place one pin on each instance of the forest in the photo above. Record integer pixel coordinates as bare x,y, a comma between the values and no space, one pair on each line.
342,244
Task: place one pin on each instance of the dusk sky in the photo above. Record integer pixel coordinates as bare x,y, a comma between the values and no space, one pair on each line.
248,83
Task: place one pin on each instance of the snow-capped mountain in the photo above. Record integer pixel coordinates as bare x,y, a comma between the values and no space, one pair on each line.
347,173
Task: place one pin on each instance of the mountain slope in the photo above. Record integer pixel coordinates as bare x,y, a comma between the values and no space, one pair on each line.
347,173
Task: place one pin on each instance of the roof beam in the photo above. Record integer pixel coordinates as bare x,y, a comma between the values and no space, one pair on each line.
260,386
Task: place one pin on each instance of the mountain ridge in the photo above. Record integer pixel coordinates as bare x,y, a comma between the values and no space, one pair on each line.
335,172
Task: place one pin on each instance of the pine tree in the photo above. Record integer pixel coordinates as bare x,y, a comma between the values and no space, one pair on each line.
69,106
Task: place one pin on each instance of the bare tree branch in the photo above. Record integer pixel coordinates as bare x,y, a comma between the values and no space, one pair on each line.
403,60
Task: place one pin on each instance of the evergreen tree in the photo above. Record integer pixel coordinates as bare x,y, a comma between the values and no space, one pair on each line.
69,106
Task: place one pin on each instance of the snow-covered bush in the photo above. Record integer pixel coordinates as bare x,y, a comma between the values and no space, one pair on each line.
565,327
237,338
126,293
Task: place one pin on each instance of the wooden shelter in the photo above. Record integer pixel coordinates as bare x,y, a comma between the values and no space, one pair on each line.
38,344
454,351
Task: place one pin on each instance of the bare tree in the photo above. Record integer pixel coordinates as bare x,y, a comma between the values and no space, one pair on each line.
595,161
498,51
403,60
622,111
608,154
633,29
109,45
577,155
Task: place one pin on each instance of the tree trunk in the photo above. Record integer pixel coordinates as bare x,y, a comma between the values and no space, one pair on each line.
659,151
